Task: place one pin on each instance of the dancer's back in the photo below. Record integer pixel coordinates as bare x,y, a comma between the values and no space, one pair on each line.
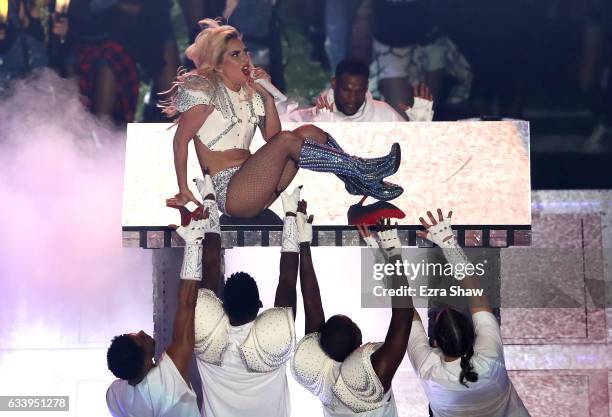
493,395
232,390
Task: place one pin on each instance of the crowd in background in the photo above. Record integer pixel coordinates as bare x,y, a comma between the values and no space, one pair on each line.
478,57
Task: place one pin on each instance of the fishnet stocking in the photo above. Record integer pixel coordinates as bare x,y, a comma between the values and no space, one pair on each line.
268,172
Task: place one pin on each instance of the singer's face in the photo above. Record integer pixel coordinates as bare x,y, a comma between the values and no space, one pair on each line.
236,63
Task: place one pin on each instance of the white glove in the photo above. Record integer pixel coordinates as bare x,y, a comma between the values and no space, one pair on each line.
192,234
390,242
290,201
371,242
442,235
304,228
206,187
421,111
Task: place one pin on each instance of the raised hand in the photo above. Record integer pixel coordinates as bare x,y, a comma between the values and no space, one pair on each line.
422,91
206,187
422,109
439,231
260,73
365,234
193,233
304,223
321,103
207,191
387,233
290,201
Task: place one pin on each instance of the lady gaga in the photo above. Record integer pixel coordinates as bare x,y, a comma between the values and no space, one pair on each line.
219,104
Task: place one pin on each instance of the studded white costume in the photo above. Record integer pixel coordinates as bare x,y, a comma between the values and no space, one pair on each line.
243,368
231,125
346,389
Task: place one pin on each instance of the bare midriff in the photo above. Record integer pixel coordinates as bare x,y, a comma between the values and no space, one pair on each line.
215,161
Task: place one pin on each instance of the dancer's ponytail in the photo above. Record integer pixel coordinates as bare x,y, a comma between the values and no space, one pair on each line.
454,335
467,370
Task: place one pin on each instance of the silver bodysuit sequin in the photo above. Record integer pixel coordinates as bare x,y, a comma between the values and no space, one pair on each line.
220,181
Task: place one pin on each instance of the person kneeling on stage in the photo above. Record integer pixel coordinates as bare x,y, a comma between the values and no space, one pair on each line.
162,388
465,374
350,378
348,100
241,353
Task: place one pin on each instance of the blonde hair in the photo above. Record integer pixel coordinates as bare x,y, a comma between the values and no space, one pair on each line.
206,52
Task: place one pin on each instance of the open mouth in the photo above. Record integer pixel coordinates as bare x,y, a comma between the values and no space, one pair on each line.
246,70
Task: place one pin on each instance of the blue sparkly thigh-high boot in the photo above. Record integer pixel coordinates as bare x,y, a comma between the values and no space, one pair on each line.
392,159
365,177
384,191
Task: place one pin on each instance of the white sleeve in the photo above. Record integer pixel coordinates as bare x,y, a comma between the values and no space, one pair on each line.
421,355
179,398
488,335
113,400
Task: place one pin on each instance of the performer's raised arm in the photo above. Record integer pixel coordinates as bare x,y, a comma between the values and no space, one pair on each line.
332,362
467,363
181,346
200,262
440,233
313,307
387,359
287,280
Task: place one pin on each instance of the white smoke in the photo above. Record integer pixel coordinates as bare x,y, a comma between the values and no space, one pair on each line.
66,281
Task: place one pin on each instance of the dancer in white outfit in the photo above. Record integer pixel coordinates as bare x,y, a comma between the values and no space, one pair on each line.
465,375
241,353
349,378
162,389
